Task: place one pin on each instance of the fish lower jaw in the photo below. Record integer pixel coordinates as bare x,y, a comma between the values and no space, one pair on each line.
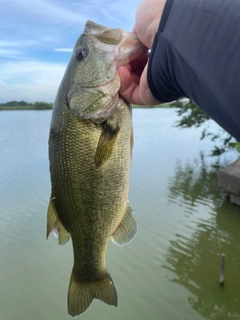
109,86
100,116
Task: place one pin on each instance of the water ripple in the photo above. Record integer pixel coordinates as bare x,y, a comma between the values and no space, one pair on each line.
171,268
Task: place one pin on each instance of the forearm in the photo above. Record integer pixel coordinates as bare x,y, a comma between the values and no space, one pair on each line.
147,20
196,54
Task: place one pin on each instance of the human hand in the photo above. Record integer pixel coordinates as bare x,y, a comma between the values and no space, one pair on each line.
134,85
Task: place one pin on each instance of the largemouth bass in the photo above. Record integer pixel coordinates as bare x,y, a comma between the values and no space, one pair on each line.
90,147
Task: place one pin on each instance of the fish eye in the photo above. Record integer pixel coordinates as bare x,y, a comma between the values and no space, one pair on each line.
81,53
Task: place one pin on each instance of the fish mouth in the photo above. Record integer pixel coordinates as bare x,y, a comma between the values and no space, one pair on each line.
103,100
114,48
130,48
109,49
124,46
110,84
97,85
95,114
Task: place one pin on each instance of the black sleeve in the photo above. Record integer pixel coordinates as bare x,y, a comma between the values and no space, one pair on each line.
196,54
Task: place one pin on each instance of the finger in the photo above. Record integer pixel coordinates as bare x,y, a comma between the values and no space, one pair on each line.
127,66
128,92
134,30
134,89
125,78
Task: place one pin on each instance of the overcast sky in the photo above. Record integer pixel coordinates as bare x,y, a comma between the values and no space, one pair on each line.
37,38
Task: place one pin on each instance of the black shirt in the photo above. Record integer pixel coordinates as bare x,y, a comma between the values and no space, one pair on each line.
196,54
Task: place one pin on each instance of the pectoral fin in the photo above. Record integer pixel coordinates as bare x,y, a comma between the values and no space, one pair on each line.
106,142
54,225
126,230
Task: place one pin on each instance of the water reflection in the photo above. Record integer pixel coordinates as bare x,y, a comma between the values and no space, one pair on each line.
194,259
195,181
184,224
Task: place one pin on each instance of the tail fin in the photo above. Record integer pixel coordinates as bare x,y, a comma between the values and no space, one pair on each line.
81,294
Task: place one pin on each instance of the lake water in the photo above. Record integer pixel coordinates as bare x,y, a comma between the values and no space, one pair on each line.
170,270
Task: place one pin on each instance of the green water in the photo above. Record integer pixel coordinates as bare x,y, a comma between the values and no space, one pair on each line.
171,269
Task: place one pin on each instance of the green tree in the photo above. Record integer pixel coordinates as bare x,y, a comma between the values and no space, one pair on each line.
192,116
42,105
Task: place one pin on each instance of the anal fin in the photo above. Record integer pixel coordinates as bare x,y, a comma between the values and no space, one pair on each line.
55,225
126,230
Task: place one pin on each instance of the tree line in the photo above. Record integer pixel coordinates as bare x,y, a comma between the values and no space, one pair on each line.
190,115
23,105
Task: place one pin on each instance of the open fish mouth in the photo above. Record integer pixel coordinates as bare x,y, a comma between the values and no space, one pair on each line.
97,55
123,46
103,50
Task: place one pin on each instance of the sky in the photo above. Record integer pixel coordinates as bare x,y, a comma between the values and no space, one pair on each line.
37,38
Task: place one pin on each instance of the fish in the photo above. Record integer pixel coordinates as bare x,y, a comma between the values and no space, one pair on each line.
90,155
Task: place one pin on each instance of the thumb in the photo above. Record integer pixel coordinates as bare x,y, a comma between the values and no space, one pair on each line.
125,78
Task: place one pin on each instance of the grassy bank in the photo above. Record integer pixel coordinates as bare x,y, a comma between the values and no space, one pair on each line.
22,105
164,105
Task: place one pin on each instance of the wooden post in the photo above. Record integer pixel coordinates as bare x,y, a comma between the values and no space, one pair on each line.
222,268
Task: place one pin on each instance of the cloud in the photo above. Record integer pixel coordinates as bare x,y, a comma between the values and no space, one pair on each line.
53,11
15,49
63,49
4,84
37,38
6,53
35,79
45,92
17,43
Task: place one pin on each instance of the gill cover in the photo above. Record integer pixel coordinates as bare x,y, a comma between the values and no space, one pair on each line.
94,81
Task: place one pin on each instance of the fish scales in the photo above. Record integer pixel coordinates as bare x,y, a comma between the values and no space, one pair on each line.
90,147
99,193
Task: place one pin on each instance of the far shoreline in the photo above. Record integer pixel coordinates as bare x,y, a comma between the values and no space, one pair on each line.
23,106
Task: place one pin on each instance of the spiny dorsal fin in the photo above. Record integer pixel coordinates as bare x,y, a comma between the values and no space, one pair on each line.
106,142
54,224
126,230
